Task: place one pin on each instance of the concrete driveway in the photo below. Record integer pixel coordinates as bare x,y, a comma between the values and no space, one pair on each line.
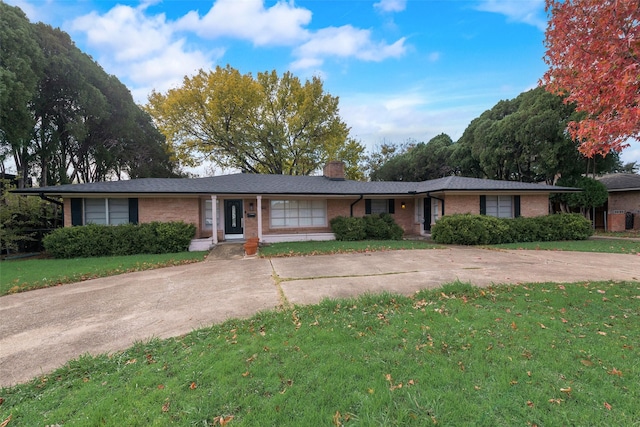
41,330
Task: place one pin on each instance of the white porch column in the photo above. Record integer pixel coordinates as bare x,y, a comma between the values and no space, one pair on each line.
259,207
214,219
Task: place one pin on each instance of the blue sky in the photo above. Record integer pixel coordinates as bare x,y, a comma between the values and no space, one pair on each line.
403,69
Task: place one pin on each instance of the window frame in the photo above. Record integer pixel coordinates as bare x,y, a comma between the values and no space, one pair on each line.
289,215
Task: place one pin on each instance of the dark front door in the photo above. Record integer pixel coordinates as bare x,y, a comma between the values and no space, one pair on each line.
427,214
233,217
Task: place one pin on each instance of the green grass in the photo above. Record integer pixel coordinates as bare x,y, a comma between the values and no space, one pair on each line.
27,274
542,354
340,247
591,245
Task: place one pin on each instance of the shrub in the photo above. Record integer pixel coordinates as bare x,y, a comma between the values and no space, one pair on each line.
382,227
372,227
127,239
470,229
348,228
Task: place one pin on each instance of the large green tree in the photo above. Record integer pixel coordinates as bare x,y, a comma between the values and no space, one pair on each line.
418,162
267,124
525,139
63,118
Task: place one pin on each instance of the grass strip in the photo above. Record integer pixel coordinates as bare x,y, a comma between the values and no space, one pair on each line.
328,247
27,274
537,354
615,246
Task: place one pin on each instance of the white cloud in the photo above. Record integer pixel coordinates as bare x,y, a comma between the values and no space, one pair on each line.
527,11
344,42
126,32
280,24
391,5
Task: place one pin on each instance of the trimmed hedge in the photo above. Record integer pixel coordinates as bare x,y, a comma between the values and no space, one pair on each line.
95,240
370,227
467,229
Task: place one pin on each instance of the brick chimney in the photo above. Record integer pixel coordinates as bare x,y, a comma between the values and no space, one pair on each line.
334,170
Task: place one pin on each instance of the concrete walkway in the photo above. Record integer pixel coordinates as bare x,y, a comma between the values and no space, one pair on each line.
41,330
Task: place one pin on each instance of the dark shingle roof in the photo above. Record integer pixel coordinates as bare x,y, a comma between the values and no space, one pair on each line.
285,184
621,181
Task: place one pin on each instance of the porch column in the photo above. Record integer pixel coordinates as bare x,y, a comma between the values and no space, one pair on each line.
214,219
259,207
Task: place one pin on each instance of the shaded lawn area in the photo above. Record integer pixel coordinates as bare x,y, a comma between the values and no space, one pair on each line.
616,246
26,274
328,247
538,354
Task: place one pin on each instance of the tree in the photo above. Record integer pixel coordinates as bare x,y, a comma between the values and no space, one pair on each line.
593,195
20,70
525,139
268,124
418,162
593,52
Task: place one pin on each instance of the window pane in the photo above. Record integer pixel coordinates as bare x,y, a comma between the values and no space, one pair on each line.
118,211
208,213
298,213
379,206
95,211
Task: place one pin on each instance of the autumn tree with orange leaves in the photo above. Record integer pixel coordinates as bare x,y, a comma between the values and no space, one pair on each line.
593,53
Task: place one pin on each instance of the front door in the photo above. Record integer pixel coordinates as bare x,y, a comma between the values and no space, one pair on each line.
427,214
233,217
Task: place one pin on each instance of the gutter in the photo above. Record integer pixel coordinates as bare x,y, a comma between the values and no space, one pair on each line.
353,204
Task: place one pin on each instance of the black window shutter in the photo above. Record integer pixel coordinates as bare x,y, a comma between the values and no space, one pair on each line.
483,205
442,207
367,206
392,206
76,211
133,211
516,206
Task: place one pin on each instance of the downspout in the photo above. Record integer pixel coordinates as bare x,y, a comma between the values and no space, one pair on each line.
353,204
49,199
437,198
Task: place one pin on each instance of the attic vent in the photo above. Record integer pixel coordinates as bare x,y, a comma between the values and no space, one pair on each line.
618,212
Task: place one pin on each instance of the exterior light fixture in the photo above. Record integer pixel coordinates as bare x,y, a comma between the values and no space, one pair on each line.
403,205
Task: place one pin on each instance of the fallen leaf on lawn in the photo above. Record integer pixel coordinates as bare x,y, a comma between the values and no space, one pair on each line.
614,371
514,326
529,404
556,401
561,287
600,291
245,374
160,387
337,419
193,386
542,326
130,362
165,406
5,422
566,390
370,391
1,400
563,320
606,405
223,420
602,333
586,362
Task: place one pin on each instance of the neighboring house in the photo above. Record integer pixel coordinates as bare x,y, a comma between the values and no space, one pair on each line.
289,208
622,209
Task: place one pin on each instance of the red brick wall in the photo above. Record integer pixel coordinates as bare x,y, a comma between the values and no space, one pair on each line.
616,222
628,201
67,212
534,205
167,209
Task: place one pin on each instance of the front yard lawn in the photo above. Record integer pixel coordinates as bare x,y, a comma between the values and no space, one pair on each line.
26,274
616,246
340,247
545,354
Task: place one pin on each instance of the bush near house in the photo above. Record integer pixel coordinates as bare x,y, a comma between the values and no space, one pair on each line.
467,229
126,239
370,227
